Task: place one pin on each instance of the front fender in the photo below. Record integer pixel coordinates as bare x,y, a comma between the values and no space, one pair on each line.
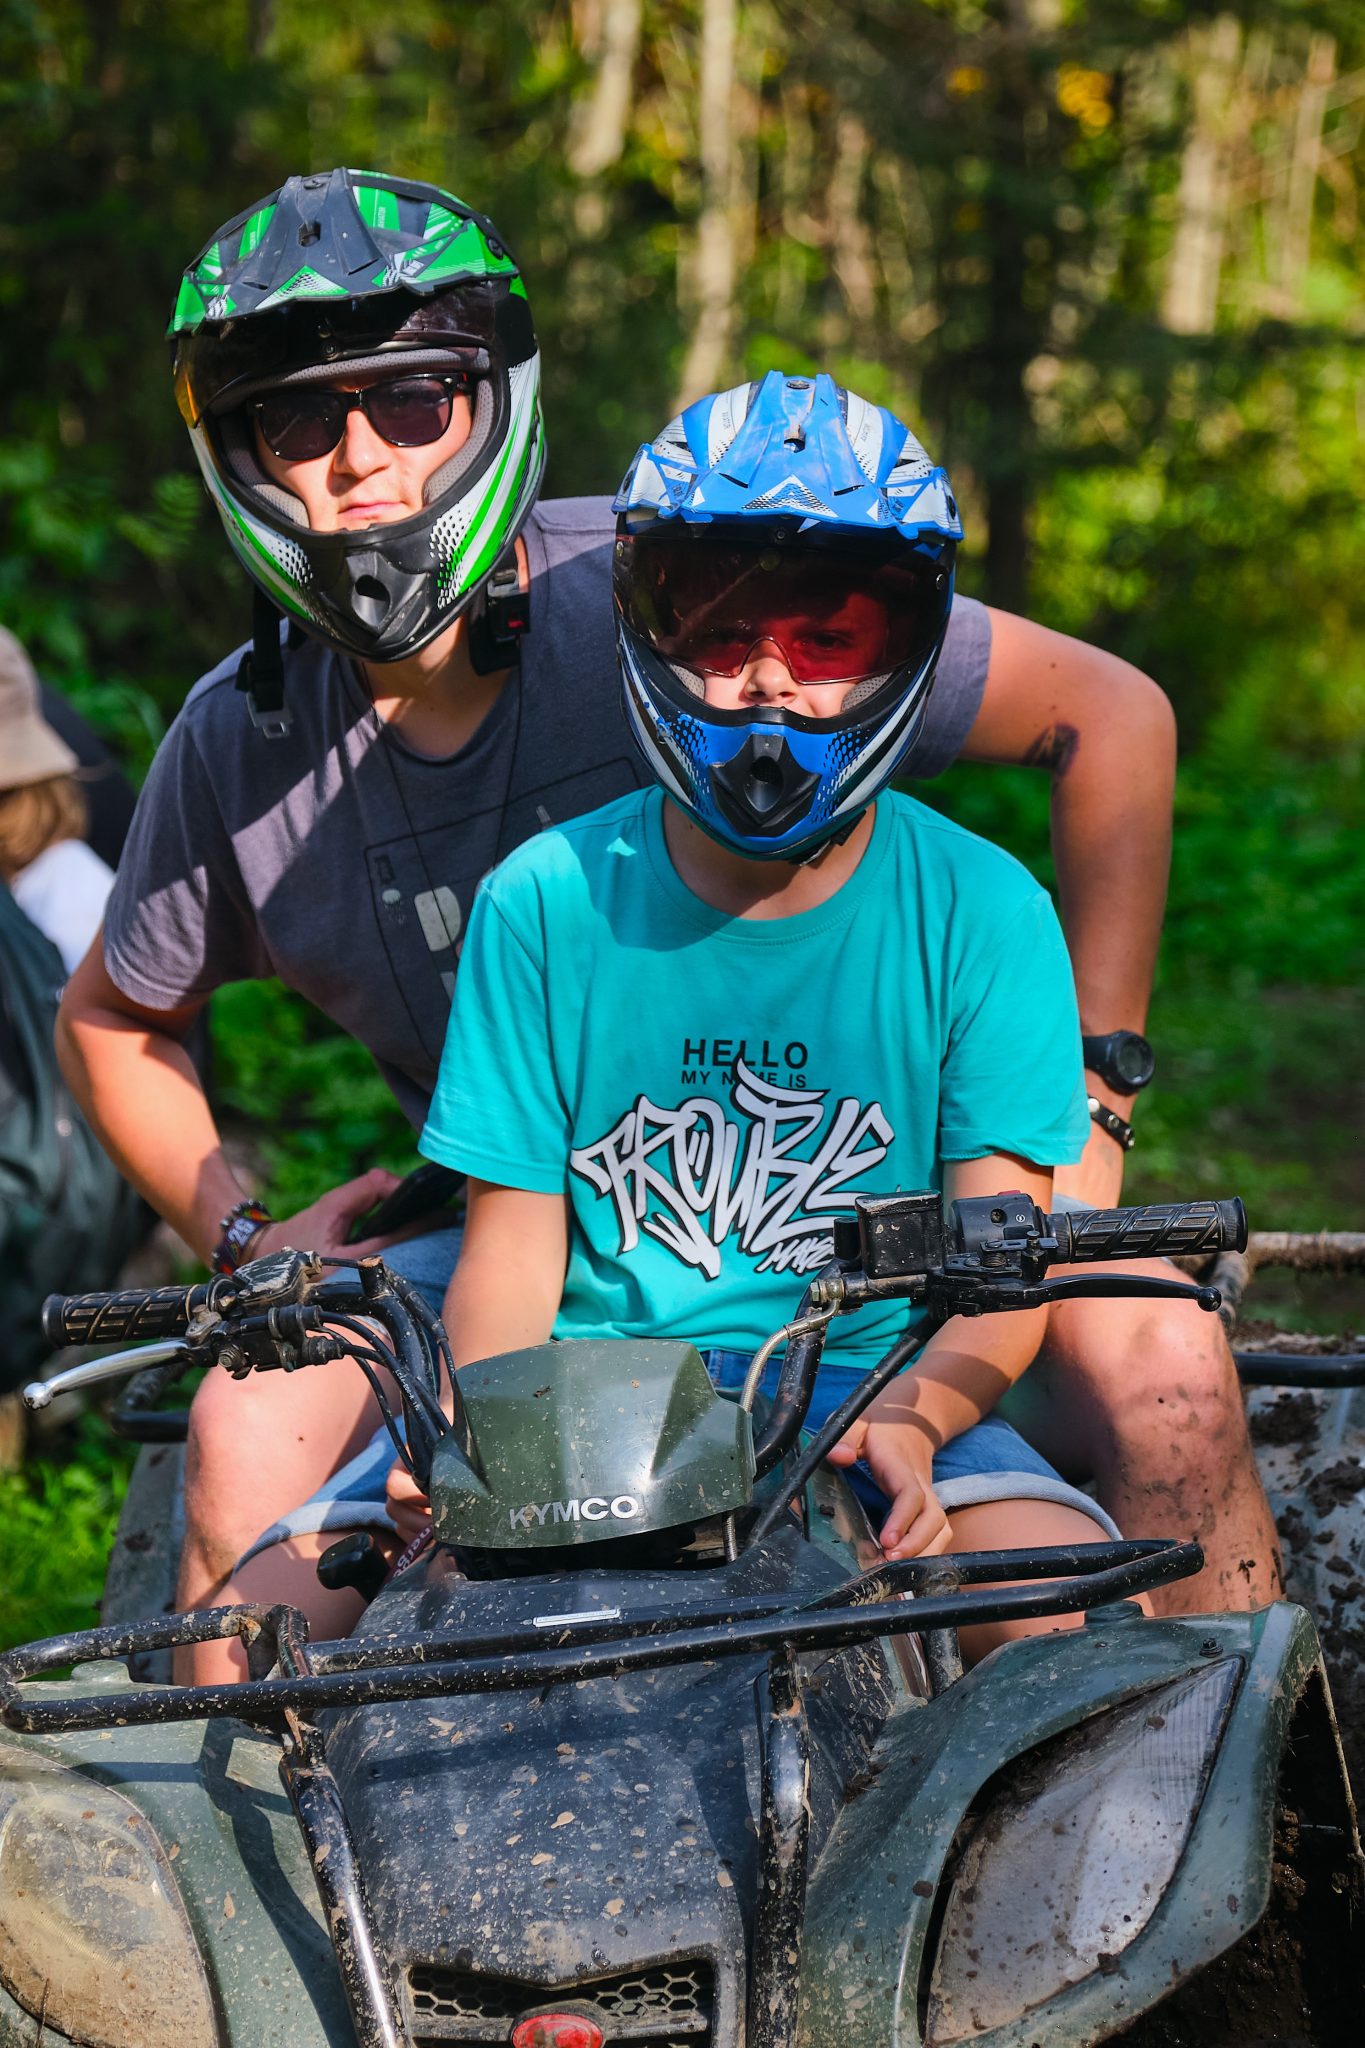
212,1793
876,1899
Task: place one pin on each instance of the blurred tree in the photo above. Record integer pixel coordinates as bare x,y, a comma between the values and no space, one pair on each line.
1104,250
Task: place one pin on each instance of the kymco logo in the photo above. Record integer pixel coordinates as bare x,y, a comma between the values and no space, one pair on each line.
596,1508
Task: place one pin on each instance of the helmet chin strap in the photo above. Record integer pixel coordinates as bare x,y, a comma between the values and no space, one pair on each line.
828,844
260,672
497,619
499,615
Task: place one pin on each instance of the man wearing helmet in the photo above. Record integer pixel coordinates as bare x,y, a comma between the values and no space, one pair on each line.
356,361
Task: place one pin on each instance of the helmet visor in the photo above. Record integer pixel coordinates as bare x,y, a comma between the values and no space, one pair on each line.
704,599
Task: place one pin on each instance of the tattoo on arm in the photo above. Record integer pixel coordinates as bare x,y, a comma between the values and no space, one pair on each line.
1054,750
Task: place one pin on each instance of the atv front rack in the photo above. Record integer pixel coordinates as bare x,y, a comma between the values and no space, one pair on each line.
898,1597
925,1596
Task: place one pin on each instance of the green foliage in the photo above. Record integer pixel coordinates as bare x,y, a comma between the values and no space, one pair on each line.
1220,552
1258,1012
309,1097
57,1524
969,210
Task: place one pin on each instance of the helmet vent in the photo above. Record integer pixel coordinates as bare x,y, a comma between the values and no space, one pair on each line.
764,787
370,602
789,496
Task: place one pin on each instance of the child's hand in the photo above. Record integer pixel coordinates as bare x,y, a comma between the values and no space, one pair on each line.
409,1506
901,1460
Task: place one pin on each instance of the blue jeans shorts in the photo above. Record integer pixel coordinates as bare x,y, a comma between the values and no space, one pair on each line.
988,1462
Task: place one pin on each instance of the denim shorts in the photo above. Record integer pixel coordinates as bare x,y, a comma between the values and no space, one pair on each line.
988,1462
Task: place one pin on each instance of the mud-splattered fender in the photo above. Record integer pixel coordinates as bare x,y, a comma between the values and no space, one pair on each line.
872,1899
212,1795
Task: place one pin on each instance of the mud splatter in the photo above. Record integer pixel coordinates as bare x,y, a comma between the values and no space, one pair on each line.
1337,1485
1289,1419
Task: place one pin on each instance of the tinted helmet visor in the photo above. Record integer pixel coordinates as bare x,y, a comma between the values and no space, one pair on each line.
837,611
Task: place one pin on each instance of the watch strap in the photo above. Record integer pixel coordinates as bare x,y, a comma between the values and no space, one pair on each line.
1110,1122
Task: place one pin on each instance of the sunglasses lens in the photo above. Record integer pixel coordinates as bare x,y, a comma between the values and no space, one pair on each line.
409,412
301,425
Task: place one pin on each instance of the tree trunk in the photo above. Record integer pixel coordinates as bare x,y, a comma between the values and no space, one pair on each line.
1296,228
1015,328
796,177
850,249
1190,301
713,267
597,129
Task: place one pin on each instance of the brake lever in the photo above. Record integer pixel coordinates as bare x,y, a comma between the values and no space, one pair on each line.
972,1294
114,1365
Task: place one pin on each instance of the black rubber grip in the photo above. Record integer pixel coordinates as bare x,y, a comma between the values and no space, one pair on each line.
1156,1230
136,1316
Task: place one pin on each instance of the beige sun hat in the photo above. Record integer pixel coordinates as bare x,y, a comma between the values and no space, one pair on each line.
30,751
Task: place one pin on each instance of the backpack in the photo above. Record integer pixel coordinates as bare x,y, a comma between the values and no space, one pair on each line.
67,1218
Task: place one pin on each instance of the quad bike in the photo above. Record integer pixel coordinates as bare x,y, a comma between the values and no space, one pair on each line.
650,1746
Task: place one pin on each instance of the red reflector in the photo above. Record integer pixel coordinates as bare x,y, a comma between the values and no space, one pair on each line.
556,2030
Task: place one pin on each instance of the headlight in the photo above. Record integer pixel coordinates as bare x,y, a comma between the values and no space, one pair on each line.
94,1940
1073,1853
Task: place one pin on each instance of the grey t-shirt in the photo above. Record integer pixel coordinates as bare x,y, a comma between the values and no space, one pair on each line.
345,863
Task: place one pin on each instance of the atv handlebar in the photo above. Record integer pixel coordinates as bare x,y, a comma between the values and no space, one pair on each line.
1155,1230
137,1315
991,1253
276,1313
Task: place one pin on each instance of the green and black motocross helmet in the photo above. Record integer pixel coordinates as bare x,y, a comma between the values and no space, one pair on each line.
338,272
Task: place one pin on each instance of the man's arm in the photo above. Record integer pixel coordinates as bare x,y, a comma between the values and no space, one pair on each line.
128,1069
1106,735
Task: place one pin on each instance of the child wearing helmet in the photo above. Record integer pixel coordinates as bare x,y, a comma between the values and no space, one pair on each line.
692,1025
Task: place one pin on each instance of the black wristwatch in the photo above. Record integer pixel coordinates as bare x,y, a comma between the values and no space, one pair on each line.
1123,1059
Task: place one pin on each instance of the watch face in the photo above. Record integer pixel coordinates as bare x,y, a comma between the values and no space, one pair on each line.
1133,1059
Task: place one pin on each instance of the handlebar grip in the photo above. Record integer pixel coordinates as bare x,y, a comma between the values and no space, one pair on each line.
130,1317
1154,1230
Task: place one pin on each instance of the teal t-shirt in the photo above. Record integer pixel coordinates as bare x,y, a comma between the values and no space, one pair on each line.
710,1091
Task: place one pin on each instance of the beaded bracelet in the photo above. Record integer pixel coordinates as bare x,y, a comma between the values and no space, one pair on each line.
237,1233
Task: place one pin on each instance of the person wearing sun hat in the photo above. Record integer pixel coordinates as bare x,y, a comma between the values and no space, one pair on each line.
55,878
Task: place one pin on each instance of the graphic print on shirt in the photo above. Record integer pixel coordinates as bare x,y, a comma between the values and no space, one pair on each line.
772,1175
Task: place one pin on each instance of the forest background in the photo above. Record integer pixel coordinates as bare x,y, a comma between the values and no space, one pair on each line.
1104,254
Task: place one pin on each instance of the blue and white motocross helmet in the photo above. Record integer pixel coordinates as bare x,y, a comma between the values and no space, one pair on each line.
789,514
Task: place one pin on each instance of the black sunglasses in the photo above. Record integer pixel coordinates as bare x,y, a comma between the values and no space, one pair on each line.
408,412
